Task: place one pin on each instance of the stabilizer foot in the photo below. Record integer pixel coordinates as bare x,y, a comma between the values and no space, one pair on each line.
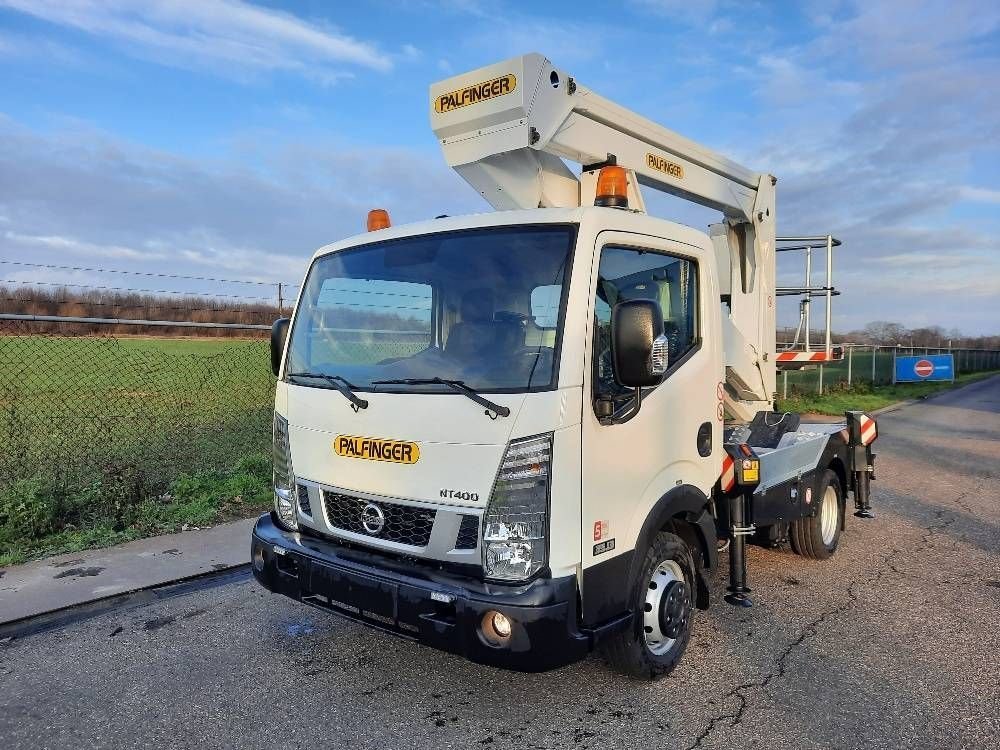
738,599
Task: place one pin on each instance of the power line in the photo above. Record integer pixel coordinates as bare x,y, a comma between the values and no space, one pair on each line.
133,291
145,273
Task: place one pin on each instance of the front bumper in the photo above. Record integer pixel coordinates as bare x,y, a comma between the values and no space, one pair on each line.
435,608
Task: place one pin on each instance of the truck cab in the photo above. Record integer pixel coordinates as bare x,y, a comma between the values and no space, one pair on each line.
503,435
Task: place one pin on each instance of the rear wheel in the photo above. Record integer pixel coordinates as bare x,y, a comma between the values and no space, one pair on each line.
818,535
663,601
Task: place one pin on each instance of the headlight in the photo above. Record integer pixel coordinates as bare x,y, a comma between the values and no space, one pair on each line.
284,479
517,518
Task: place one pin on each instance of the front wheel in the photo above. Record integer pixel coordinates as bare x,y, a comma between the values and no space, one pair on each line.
664,604
817,536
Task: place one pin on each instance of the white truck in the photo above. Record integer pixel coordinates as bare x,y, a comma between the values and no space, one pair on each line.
524,435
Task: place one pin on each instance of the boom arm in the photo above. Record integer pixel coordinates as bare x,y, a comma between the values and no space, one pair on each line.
506,129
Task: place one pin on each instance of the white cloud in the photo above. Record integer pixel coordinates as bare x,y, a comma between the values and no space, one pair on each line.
227,34
61,244
978,195
82,196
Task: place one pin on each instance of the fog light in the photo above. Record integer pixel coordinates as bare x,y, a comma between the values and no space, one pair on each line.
258,560
501,625
496,628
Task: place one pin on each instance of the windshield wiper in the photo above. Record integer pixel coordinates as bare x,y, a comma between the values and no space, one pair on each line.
456,385
341,384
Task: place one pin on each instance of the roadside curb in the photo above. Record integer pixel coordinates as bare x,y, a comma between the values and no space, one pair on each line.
71,613
896,406
53,588
909,402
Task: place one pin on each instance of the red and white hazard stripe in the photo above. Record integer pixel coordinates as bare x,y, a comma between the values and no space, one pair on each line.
728,480
869,430
805,357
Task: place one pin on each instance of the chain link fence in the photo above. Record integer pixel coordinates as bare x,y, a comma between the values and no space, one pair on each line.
874,365
88,411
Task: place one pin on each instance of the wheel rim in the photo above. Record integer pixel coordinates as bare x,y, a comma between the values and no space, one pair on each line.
667,609
829,515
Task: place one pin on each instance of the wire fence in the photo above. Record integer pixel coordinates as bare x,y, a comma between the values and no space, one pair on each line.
88,406
874,365
121,416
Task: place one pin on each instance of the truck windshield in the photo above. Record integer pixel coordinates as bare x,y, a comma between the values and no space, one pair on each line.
481,306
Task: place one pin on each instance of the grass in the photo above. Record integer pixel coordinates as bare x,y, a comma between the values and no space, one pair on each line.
107,439
41,518
841,398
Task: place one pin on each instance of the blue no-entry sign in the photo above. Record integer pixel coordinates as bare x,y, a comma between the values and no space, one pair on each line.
920,368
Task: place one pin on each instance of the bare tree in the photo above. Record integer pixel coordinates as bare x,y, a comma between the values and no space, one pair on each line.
885,333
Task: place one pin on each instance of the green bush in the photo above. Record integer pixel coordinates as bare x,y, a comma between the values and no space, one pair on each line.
42,516
28,509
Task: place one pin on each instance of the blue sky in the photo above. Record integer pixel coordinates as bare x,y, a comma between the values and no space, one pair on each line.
231,139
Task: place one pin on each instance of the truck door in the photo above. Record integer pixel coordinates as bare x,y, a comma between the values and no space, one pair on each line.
630,462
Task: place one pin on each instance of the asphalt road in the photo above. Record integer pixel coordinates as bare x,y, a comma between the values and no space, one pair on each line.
893,643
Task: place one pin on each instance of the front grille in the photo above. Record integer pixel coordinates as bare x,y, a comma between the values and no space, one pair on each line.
468,533
404,524
304,506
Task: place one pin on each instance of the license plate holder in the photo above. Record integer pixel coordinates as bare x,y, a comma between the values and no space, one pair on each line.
372,597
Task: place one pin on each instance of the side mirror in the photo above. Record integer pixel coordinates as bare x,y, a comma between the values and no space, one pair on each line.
279,333
638,346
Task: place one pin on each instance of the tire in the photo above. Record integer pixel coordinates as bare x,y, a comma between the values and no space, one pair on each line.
817,536
664,603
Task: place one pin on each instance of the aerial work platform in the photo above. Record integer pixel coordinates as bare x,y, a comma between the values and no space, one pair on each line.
801,352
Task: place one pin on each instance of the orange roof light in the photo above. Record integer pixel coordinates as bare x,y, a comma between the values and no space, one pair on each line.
612,187
378,218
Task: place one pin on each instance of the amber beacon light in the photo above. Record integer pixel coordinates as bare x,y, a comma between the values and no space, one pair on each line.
378,218
612,187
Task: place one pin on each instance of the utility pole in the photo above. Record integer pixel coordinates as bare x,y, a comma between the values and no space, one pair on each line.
281,303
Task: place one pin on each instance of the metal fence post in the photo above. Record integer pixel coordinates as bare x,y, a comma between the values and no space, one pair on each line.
820,380
784,383
874,359
850,363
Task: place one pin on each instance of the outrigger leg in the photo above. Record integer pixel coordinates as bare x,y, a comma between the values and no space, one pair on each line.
862,431
738,590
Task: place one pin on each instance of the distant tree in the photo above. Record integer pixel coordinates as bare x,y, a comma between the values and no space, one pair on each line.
928,336
62,302
884,333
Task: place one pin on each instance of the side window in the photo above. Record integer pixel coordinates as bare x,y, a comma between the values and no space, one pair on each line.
626,274
541,327
545,305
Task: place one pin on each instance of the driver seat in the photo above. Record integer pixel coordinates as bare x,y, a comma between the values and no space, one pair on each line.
478,335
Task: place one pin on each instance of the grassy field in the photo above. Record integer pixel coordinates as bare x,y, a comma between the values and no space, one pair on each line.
863,396
107,439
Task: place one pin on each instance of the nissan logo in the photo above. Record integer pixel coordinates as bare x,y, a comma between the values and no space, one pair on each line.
372,519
